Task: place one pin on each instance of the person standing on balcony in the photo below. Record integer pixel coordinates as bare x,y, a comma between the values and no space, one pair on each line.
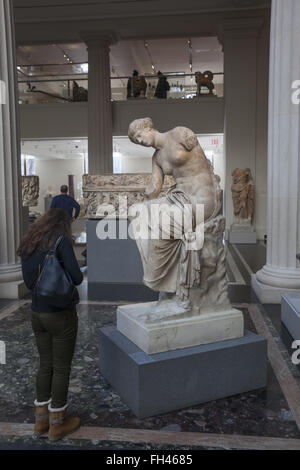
162,86
136,86
65,202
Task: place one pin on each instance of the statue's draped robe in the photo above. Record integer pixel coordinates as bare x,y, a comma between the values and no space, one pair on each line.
172,262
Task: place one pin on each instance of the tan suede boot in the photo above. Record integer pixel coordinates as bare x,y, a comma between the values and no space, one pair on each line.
60,426
41,418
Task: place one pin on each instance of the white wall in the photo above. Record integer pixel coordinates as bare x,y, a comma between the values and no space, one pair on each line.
54,173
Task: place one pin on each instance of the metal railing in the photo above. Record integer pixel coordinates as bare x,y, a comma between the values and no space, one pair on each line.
74,87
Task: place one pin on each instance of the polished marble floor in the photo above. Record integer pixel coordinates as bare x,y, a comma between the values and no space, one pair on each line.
266,418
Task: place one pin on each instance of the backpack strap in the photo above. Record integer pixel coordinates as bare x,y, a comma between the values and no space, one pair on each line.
55,246
51,251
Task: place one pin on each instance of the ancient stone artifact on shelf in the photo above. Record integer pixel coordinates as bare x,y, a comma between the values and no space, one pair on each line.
100,191
30,190
205,80
183,254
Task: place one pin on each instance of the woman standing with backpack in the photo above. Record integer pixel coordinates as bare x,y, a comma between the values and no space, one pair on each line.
50,271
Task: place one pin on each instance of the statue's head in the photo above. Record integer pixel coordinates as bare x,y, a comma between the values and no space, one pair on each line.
141,131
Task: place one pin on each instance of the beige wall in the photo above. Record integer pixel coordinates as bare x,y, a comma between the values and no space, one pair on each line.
42,121
261,155
246,75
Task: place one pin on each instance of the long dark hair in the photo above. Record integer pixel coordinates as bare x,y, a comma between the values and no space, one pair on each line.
45,231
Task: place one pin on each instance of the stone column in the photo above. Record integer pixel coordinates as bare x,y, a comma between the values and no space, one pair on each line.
282,271
100,148
10,178
239,37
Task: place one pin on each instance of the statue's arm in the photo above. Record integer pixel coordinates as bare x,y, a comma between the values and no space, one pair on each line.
157,179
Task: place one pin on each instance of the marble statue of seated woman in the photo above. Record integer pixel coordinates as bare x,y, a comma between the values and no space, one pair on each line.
188,279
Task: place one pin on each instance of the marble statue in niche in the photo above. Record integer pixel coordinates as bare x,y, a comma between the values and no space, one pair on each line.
189,281
243,194
30,190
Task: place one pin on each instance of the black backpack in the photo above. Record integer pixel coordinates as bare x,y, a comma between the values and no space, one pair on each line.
54,285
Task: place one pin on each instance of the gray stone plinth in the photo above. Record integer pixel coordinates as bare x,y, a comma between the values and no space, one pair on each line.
159,383
115,270
290,313
242,237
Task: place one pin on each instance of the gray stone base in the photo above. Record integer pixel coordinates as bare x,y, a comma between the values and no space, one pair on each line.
115,270
290,313
109,291
242,237
163,382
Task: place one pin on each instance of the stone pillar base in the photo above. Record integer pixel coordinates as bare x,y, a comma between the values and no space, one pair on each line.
269,294
13,290
178,332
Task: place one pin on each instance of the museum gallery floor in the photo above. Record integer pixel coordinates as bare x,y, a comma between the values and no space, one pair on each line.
264,419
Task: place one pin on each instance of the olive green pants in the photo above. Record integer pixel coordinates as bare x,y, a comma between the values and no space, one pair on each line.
55,335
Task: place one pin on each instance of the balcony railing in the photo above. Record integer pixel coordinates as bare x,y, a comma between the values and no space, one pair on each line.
74,88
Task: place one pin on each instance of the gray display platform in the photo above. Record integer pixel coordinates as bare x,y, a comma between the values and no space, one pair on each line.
159,383
290,313
115,270
242,237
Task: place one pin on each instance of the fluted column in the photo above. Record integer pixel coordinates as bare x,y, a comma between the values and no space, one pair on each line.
100,148
10,186
282,271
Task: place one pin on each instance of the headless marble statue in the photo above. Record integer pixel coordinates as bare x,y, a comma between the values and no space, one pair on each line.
243,196
190,281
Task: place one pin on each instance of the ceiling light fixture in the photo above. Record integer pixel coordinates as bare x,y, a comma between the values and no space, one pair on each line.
146,44
66,56
190,55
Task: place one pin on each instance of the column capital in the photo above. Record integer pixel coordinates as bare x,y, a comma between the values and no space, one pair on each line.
99,38
239,28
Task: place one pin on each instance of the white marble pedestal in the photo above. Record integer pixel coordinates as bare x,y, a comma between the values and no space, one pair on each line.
168,335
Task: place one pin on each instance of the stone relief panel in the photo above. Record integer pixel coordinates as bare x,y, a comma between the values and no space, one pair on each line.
30,190
102,193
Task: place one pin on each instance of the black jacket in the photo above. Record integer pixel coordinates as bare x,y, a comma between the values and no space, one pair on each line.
162,87
30,270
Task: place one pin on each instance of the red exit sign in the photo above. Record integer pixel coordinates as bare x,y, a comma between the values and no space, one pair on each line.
214,141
